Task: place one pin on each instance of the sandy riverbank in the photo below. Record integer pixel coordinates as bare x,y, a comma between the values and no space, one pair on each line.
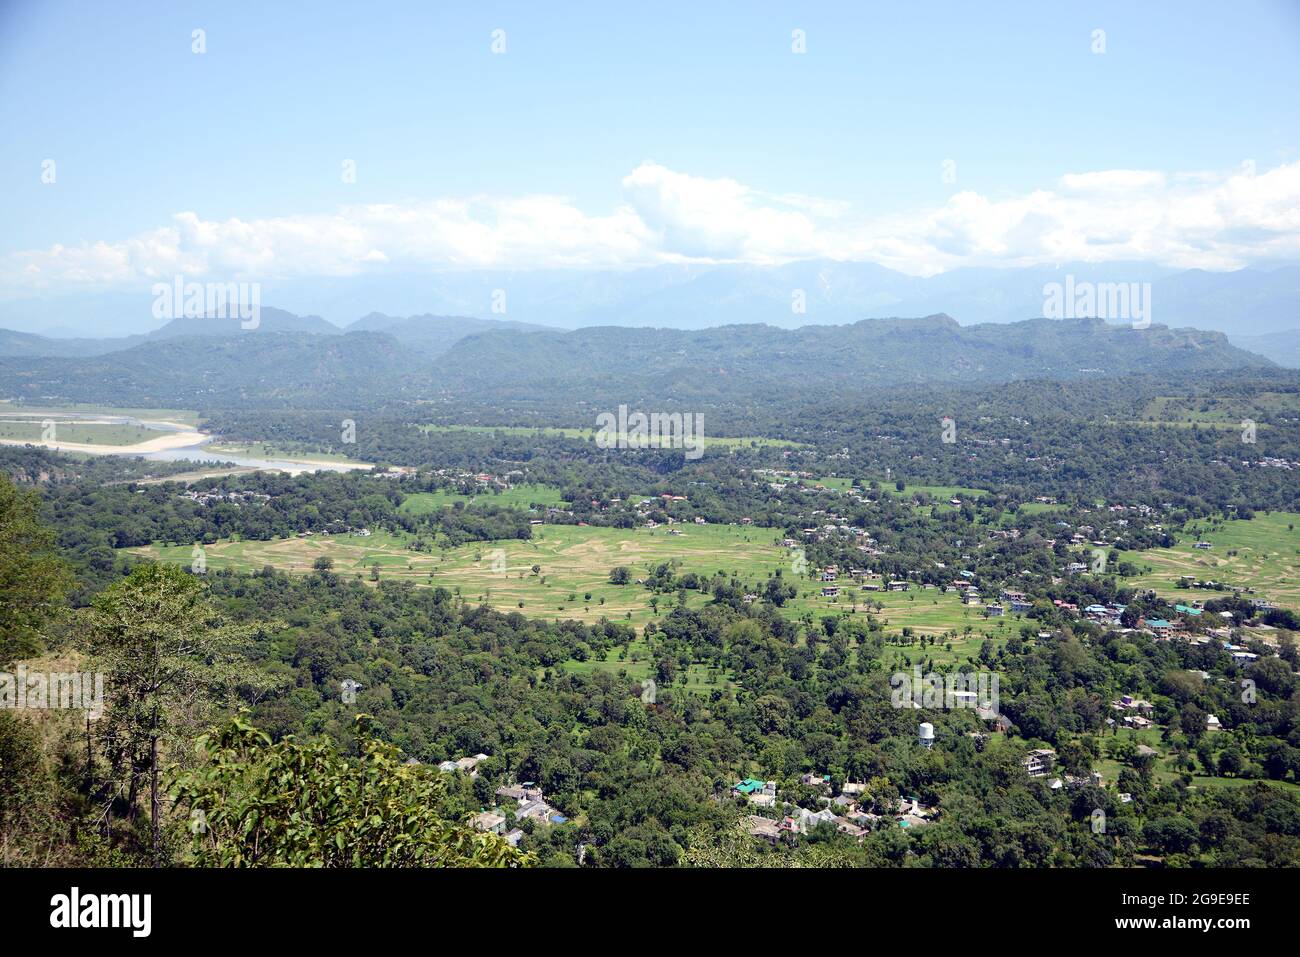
163,443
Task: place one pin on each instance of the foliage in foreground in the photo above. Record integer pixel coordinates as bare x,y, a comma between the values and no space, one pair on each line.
255,803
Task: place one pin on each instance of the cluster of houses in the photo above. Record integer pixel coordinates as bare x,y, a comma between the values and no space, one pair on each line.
843,811
866,579
1133,712
217,496
530,805
468,764
1040,763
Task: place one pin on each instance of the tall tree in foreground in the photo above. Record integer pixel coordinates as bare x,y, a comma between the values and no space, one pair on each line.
33,579
254,803
168,659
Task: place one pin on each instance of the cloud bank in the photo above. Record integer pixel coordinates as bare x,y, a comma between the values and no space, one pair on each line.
1212,220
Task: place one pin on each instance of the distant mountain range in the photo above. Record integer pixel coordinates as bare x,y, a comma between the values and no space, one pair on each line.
510,363
748,359
433,335
1248,302
427,334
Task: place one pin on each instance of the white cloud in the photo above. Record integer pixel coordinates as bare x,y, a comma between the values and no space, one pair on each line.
1112,180
1186,219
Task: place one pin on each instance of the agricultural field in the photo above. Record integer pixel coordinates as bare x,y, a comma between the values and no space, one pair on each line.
26,411
709,441
517,496
637,664
941,492
571,579
1262,553
265,450
1226,412
76,431
1165,771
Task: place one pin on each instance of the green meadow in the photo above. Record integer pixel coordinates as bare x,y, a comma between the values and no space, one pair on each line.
183,416
709,441
1165,771
517,496
85,433
571,578
1262,553
290,451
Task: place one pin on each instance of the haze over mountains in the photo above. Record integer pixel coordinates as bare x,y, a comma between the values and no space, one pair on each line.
1248,302
412,361
721,331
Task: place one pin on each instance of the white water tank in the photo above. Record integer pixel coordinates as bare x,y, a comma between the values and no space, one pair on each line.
926,734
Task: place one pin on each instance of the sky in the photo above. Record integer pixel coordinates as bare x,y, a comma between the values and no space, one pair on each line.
332,139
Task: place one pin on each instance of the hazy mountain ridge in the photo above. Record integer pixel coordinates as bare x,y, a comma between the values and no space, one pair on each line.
299,369
693,296
887,351
728,362
270,320
428,333
433,334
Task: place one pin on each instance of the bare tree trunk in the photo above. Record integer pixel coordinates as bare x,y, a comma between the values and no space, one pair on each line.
90,765
133,792
153,798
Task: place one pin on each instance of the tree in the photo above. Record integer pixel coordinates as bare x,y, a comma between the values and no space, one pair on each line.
619,575
371,812
167,658
33,579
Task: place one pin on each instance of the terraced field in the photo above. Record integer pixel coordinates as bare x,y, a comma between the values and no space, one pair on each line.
590,434
572,576
1262,553
517,496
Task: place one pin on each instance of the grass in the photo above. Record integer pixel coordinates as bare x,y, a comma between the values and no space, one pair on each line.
78,432
637,664
590,434
517,496
944,492
575,561
265,450
183,416
1224,412
1164,771
1262,553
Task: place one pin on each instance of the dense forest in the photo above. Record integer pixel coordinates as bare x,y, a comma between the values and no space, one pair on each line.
270,670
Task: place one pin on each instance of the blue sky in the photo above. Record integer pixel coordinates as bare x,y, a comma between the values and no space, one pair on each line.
622,136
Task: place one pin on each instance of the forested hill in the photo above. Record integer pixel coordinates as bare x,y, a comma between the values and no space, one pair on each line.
744,359
271,370
728,363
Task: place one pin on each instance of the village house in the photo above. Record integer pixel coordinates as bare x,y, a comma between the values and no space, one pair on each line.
1129,703
763,828
519,793
805,820
490,821
1038,763
1157,626
467,765
758,793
